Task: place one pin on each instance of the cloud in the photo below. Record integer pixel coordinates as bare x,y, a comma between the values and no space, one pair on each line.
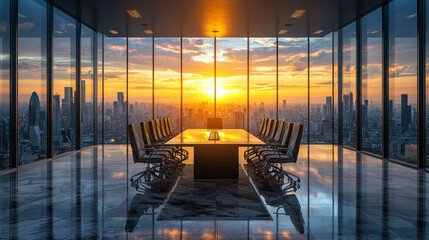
26,26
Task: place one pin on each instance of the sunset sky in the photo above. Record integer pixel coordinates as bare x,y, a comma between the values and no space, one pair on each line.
198,65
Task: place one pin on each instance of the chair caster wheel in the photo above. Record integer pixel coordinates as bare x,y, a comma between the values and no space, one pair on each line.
298,180
133,184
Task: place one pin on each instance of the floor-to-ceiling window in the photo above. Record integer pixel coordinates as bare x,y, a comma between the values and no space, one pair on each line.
403,80
293,81
167,80
115,90
231,82
335,79
198,81
87,86
262,84
321,89
349,85
64,83
427,85
139,79
32,80
100,88
371,105
4,85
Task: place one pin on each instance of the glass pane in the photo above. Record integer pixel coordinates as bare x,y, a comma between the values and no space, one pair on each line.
293,82
167,80
4,85
403,80
231,82
64,75
321,89
115,88
100,90
349,85
335,97
372,83
198,82
262,80
139,79
87,86
32,80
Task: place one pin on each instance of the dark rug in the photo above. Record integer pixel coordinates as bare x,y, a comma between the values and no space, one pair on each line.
213,200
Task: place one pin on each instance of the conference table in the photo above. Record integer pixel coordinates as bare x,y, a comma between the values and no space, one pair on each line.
215,159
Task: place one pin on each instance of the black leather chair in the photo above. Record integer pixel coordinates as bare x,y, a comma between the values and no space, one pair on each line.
214,123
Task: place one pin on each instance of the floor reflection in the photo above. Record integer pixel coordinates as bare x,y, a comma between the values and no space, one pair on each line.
343,194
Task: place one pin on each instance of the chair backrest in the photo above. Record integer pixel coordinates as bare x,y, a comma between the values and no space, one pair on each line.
263,125
136,141
279,132
214,123
165,124
158,128
268,128
162,127
148,138
273,130
295,141
286,134
170,128
153,130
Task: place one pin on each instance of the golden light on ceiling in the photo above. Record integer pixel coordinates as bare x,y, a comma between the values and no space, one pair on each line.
134,13
318,32
148,31
297,13
282,31
114,32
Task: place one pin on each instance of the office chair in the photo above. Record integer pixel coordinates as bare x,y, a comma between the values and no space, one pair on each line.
214,123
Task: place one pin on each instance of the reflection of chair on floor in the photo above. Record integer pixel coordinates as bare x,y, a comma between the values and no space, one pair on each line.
292,208
143,204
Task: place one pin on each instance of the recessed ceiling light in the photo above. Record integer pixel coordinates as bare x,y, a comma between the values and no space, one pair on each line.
282,31
288,25
215,31
114,32
318,32
59,32
134,13
144,24
374,32
148,31
297,13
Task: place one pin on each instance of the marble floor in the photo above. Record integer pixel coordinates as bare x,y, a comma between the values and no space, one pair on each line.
343,195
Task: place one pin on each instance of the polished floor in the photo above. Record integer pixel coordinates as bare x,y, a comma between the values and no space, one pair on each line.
343,195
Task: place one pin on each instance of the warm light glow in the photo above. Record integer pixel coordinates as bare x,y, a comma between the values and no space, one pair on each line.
114,32
147,31
297,13
134,13
282,31
318,32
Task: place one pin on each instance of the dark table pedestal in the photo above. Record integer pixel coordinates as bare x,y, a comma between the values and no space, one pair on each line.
215,162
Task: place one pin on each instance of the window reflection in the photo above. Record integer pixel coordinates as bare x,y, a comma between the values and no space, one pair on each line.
87,87
4,85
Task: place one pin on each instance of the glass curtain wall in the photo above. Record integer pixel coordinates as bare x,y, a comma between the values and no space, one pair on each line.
231,82
427,86
198,82
87,86
371,105
262,84
293,82
403,80
321,89
115,90
139,79
349,85
64,78
167,80
335,76
4,85
100,88
32,81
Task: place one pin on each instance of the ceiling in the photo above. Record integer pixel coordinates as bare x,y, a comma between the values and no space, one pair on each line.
232,18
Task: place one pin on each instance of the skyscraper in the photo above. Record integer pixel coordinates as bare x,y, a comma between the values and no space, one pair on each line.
328,108
34,110
405,112
82,93
57,115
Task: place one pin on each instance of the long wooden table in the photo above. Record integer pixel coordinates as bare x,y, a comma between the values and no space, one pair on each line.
215,159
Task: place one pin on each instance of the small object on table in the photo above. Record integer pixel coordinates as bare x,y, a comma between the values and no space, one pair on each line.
214,135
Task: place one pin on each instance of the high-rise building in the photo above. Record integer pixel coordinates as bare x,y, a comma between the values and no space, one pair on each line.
328,111
82,93
34,110
57,115
239,120
405,113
